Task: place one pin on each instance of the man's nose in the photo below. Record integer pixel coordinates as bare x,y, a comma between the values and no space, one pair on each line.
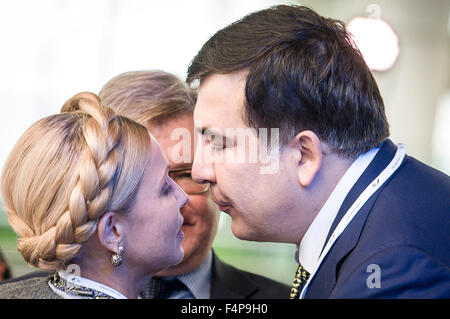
203,171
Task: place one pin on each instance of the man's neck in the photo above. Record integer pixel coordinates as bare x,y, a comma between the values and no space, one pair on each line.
333,168
317,193
314,238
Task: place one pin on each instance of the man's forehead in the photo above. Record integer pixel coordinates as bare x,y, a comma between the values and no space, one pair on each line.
220,101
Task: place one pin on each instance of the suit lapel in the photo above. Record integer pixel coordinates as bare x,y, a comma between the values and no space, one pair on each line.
325,279
227,283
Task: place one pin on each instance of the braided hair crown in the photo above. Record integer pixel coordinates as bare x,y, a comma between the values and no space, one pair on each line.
60,178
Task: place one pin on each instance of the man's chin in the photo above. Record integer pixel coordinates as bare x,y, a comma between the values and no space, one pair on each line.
242,231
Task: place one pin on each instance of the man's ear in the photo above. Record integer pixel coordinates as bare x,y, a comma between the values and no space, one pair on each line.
309,146
110,231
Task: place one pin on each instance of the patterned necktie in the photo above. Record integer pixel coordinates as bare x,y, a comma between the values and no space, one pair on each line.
301,277
158,288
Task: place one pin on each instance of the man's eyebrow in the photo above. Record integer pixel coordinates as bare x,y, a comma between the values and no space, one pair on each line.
202,130
209,131
229,141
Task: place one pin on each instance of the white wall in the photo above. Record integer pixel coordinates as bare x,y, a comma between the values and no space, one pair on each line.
52,49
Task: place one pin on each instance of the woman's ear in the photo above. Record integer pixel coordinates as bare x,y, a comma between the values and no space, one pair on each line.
110,231
310,149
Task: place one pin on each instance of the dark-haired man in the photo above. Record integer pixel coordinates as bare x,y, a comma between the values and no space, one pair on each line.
369,221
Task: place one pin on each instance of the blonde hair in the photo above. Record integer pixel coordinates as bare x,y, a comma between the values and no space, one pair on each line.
67,170
148,96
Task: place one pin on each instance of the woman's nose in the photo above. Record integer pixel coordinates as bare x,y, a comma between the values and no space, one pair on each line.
180,195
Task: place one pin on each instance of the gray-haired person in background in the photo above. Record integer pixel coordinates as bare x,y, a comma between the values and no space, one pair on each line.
164,104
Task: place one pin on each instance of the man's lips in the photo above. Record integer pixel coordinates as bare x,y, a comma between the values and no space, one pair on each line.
224,208
218,200
224,205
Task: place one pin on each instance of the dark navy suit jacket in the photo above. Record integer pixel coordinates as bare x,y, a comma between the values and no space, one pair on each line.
228,282
403,229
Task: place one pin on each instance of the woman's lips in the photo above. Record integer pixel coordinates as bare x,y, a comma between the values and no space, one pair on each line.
180,234
181,223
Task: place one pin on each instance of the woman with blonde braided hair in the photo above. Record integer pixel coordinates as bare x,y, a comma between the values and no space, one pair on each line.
88,194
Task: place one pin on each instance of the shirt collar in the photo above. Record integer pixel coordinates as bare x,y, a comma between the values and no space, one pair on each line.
199,281
84,282
310,247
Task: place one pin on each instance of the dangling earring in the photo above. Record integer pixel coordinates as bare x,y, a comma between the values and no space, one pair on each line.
117,259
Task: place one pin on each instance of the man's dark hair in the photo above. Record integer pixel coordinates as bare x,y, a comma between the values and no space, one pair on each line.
304,73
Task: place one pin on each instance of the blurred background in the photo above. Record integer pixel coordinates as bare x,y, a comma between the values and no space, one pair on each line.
52,49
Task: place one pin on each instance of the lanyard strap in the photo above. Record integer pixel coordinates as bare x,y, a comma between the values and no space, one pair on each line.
354,209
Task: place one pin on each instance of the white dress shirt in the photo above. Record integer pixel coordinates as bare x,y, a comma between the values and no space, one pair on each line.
312,243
